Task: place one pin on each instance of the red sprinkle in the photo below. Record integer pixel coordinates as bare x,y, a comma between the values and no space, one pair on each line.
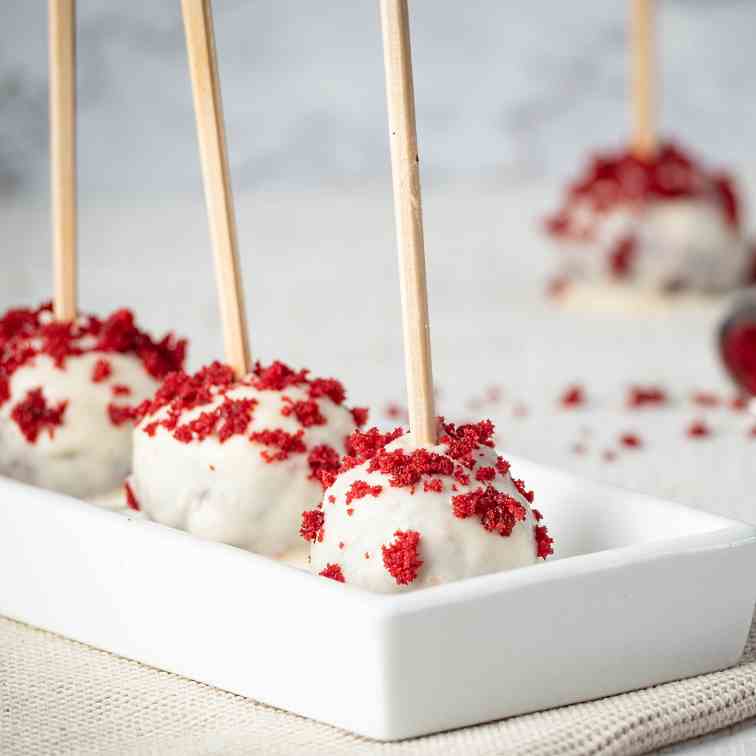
33,415
527,495
622,178
631,440
642,396
485,474
120,415
360,416
543,541
26,333
119,389
705,399
401,558
334,572
498,512
573,396
324,464
286,443
312,525
307,412
101,370
359,489
698,429
131,499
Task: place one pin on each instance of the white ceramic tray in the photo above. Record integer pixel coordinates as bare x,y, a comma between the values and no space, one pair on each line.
642,591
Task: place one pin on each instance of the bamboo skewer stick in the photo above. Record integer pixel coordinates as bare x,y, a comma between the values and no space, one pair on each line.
203,65
643,90
405,168
62,45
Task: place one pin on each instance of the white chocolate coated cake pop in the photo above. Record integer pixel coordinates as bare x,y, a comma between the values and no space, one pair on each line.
398,518
663,224
238,461
67,392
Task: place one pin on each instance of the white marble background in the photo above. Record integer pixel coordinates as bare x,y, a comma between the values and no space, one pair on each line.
506,91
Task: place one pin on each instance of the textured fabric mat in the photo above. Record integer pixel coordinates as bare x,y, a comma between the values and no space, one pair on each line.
61,697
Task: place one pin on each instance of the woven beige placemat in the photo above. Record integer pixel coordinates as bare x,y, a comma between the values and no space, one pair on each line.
61,697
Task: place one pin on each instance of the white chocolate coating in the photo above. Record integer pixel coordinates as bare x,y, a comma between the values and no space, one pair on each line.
87,454
680,244
450,548
227,491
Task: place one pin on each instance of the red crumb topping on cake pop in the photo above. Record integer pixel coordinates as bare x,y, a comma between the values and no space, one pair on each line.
181,393
102,369
614,179
643,396
497,511
306,411
334,572
573,396
131,500
28,333
401,558
543,541
120,415
33,415
312,525
285,443
360,416
360,489
324,463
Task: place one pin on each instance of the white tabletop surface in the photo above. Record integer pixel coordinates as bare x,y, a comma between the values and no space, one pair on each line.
320,273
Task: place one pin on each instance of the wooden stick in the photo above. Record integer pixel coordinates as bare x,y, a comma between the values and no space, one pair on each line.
211,133
643,93
405,168
62,43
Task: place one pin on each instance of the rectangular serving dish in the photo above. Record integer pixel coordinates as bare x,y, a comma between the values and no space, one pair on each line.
640,592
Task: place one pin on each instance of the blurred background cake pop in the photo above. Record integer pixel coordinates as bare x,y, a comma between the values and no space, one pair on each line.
235,452
651,218
68,382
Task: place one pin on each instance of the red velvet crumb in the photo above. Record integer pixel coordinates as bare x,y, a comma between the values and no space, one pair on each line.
642,396
286,443
434,485
631,440
543,542
401,558
312,525
324,464
498,512
698,429
120,415
359,489
101,370
527,495
334,572
131,499
307,411
573,396
33,415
